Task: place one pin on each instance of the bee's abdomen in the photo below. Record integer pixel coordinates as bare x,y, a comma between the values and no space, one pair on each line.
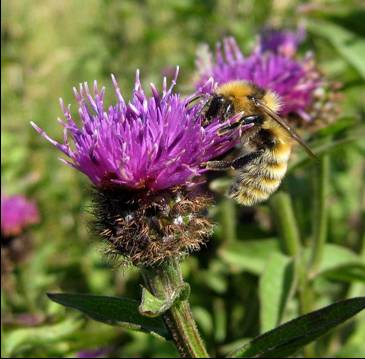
259,179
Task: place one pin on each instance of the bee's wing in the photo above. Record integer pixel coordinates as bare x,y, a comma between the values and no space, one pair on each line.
283,124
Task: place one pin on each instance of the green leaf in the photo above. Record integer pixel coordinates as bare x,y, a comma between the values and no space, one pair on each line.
348,44
348,273
276,286
291,336
322,149
250,256
337,258
339,263
19,340
112,310
152,306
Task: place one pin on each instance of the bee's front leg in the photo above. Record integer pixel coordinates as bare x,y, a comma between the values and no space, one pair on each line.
218,165
245,120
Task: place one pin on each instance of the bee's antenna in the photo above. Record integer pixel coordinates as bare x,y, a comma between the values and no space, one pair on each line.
194,98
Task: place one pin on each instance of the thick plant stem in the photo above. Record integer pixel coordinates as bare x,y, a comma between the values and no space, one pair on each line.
286,224
321,182
163,281
320,188
285,221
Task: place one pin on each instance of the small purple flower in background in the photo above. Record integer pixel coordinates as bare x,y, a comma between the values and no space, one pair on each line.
280,41
16,214
272,65
143,158
149,143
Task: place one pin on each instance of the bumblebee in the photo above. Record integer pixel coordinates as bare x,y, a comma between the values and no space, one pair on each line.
266,146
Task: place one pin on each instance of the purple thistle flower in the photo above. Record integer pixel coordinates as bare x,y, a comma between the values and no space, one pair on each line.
293,80
143,157
16,214
150,143
280,41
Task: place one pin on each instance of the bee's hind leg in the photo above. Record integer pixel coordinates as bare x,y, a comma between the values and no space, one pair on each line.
235,164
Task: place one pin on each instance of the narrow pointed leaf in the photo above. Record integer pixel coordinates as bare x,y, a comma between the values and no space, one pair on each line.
341,263
112,310
287,339
350,273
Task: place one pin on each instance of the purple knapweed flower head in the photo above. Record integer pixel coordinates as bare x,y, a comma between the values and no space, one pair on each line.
17,213
270,66
281,42
143,157
153,142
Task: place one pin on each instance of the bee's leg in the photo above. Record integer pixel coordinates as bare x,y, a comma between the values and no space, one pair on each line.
235,164
245,120
218,165
255,119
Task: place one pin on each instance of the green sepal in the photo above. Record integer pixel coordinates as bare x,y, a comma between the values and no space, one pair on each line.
152,306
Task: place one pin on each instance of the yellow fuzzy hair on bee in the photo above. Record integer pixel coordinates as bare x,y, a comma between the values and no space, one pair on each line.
266,146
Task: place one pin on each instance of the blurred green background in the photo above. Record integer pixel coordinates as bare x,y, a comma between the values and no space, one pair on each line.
48,46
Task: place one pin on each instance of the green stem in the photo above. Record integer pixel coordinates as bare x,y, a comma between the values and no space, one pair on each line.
163,281
305,290
320,188
286,223
321,181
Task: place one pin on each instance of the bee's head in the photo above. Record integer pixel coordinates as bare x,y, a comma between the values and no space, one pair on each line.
239,96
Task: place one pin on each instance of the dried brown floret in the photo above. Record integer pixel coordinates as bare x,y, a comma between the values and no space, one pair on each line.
146,228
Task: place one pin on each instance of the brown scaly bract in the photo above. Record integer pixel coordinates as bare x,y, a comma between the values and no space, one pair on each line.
146,228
